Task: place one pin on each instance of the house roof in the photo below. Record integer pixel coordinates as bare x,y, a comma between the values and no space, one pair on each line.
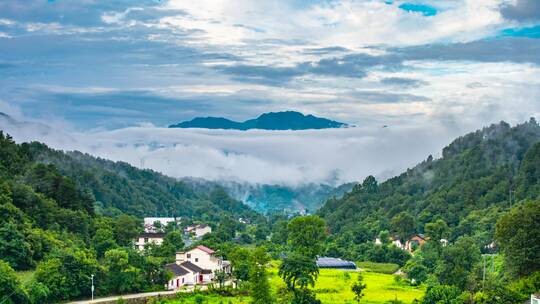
192,267
205,249
420,236
176,269
326,262
206,271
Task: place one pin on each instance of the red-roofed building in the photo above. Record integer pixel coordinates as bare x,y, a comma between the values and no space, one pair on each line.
205,249
206,259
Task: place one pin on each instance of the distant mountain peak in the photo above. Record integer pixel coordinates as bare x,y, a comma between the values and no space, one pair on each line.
286,120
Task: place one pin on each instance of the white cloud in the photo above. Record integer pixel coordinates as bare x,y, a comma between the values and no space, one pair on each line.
283,157
346,23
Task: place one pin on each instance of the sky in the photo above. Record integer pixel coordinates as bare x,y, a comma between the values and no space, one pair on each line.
107,77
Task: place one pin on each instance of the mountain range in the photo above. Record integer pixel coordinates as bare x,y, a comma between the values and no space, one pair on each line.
287,120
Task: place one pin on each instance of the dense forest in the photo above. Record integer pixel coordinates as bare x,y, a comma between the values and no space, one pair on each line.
69,216
477,178
120,186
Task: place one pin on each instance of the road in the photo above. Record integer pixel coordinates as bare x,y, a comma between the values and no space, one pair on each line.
126,297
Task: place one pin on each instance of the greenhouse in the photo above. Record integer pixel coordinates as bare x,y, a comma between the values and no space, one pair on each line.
335,263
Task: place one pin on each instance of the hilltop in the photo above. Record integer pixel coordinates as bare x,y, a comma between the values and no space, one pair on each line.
288,120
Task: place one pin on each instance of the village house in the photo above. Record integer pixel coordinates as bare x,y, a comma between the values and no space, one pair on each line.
415,242
150,223
149,237
198,230
195,266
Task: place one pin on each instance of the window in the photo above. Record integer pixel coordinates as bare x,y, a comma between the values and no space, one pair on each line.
146,240
189,255
196,259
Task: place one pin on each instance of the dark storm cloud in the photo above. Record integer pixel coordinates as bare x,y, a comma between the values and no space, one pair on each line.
522,10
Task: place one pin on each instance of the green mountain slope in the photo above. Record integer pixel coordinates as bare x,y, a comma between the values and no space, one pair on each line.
118,185
268,199
474,181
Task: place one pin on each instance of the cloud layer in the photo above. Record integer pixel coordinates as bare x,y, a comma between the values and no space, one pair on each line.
430,70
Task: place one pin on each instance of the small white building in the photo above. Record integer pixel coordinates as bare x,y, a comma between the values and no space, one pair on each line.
146,238
198,230
535,298
149,223
195,266
185,273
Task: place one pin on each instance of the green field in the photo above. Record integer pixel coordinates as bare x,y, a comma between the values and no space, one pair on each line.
334,286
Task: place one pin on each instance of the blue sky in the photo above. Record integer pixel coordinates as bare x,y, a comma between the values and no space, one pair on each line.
107,65
119,63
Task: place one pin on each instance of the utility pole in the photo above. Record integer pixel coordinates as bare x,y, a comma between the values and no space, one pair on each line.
92,277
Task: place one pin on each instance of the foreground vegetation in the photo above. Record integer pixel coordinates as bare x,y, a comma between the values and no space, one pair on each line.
63,221
333,286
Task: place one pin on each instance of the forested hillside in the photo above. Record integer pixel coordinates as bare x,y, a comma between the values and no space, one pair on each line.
477,178
118,185
52,225
269,199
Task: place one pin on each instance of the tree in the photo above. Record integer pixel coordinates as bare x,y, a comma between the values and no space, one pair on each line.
458,262
125,229
258,278
518,235
67,274
172,243
370,185
416,271
306,235
358,287
404,225
240,262
102,241
11,291
122,277
442,294
437,230
13,247
279,232
37,292
298,271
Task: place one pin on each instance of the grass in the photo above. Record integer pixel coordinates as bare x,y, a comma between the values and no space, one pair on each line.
25,276
387,268
334,286
211,299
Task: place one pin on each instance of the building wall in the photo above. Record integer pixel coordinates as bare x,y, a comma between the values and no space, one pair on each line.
199,258
199,232
141,242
